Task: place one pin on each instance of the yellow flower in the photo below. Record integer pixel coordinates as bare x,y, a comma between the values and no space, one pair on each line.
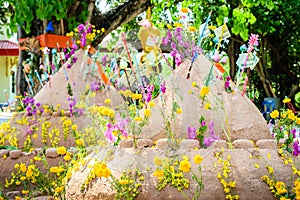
198,159
102,30
169,26
147,112
138,119
184,10
256,165
207,106
107,101
74,127
286,100
192,28
178,25
23,167
185,166
157,161
25,192
151,104
16,198
297,120
61,150
79,142
106,173
59,189
194,84
35,136
123,181
292,116
136,96
67,157
158,173
228,157
274,114
56,169
36,158
204,91
226,190
270,169
22,178
179,111
211,27
126,93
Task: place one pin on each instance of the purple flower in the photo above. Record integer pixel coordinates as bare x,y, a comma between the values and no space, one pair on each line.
163,87
173,53
148,97
69,66
178,59
165,41
179,38
95,86
89,30
191,132
177,31
173,45
150,88
28,108
74,47
208,141
37,104
203,123
186,45
74,59
81,28
104,60
296,151
293,131
169,34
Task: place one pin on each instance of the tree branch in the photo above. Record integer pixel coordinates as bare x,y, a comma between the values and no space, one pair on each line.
118,16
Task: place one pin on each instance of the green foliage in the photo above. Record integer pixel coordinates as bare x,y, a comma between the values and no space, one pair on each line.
24,12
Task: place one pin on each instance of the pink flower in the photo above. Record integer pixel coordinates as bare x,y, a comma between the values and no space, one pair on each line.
223,60
108,133
145,23
253,40
216,56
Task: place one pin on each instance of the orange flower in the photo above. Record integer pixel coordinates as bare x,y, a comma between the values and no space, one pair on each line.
192,28
184,10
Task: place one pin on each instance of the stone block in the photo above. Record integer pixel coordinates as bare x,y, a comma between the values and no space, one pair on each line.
189,144
218,144
126,144
51,153
267,144
4,152
243,144
162,143
144,143
14,154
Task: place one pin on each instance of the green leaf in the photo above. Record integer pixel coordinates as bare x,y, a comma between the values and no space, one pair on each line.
270,5
244,34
